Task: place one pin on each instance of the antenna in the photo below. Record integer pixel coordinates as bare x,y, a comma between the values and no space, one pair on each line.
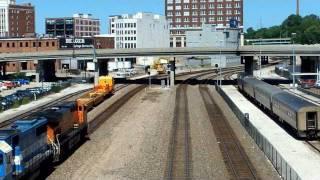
298,8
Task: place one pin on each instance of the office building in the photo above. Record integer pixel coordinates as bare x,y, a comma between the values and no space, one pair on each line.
141,30
190,15
77,26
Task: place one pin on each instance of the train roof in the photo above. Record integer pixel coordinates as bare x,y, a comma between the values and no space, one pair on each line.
253,80
293,101
269,89
26,124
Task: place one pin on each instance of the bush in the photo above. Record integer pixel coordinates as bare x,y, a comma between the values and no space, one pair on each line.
16,104
25,100
56,89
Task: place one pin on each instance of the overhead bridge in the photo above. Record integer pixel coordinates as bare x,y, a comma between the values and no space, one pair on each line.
265,50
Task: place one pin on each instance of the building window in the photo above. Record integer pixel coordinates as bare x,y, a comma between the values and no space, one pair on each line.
13,44
34,44
39,44
53,44
47,44
8,44
21,44
27,44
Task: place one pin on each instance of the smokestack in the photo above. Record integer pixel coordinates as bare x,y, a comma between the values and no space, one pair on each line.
298,8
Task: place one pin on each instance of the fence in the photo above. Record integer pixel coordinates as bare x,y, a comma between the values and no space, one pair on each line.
282,167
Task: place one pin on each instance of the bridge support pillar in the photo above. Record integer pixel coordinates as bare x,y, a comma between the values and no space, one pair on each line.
46,71
103,67
249,65
172,72
96,71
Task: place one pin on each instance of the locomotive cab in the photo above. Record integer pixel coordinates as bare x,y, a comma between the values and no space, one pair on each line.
6,165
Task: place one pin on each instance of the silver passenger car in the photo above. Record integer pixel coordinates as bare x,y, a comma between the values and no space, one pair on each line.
264,94
300,114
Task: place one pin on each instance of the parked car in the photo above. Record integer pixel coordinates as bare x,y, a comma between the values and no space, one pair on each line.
24,93
23,81
3,104
9,84
3,87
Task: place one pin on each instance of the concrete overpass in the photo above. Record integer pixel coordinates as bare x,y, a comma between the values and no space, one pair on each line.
264,50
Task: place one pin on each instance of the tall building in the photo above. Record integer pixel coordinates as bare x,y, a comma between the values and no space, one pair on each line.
16,20
141,30
190,15
78,26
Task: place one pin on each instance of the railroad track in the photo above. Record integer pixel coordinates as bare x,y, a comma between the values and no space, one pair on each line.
314,145
236,160
180,155
179,163
107,113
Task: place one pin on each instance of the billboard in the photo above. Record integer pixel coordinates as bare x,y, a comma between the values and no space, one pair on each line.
78,43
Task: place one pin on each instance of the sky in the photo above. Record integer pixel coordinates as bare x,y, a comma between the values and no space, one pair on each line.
257,13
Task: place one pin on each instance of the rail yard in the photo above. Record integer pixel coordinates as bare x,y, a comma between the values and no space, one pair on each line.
132,131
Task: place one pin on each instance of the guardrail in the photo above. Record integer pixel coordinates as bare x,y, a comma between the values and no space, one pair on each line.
282,167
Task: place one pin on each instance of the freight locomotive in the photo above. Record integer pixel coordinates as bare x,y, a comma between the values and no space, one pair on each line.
46,137
301,115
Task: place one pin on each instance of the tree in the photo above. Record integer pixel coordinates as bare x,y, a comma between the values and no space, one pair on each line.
307,30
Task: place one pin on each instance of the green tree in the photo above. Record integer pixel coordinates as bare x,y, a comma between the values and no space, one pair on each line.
307,30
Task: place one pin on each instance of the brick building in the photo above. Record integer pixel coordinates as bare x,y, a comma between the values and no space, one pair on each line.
190,15
21,20
78,26
17,45
16,20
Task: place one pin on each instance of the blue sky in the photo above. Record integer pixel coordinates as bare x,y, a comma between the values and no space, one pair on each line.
257,13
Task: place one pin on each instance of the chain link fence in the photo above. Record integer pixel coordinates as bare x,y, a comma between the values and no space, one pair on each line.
283,168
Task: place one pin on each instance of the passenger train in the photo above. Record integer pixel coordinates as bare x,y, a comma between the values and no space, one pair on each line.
301,115
46,137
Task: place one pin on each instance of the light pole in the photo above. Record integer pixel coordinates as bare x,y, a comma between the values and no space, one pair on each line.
260,65
293,61
220,69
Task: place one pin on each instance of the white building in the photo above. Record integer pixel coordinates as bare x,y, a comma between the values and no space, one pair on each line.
141,30
4,19
210,36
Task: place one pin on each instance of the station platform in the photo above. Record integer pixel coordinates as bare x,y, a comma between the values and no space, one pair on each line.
301,161
8,114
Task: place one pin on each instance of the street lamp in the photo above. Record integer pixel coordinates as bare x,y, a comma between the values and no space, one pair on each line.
293,61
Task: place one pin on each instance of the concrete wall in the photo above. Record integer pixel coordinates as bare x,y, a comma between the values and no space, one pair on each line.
209,36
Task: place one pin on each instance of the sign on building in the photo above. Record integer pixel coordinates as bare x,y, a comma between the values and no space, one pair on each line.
69,43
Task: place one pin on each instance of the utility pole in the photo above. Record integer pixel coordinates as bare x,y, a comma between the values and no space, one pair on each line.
298,8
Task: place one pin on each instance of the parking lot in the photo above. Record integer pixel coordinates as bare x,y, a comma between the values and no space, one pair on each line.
20,92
